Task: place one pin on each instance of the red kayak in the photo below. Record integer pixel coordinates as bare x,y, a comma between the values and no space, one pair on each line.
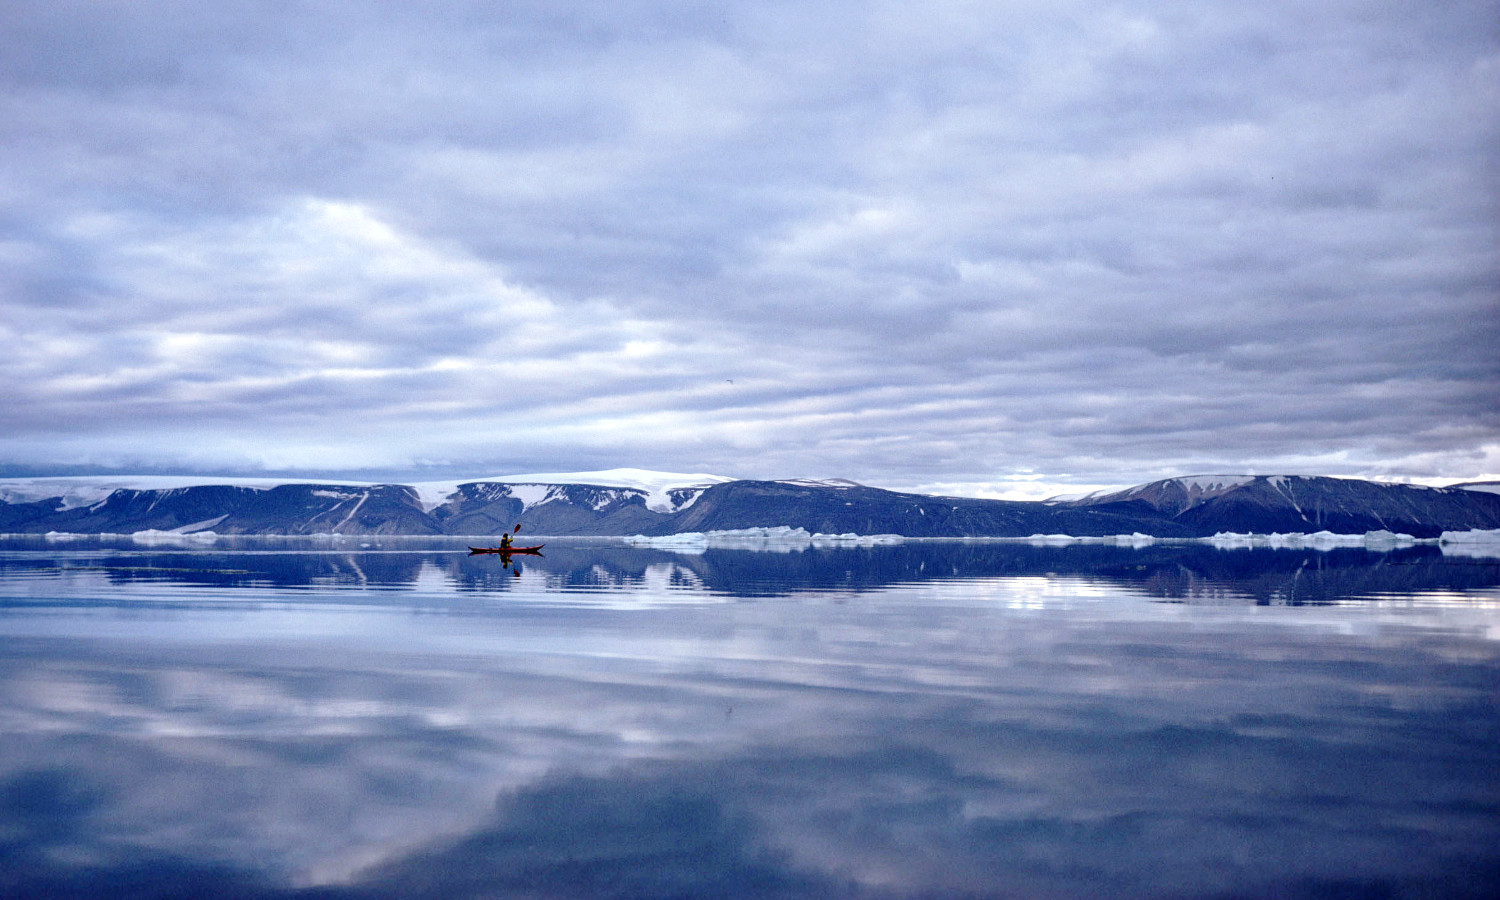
506,551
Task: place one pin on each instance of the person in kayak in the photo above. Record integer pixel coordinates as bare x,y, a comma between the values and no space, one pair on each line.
505,539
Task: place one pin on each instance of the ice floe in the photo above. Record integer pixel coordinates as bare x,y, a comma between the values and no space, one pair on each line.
1061,540
782,539
1480,543
1318,540
152,537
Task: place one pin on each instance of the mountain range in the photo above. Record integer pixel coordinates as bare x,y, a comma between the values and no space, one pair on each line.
629,502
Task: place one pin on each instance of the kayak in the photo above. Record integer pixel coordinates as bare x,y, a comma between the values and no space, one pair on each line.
536,551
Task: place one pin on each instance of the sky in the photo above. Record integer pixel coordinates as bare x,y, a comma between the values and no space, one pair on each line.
976,248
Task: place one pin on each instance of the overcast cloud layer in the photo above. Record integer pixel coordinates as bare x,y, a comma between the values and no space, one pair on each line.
955,246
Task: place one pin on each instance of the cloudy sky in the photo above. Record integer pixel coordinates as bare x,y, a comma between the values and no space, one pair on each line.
1007,247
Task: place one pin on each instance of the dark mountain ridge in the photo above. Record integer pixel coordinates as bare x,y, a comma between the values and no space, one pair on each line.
864,510
1200,506
1271,504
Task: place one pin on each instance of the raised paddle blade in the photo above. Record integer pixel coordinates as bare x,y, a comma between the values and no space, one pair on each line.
516,529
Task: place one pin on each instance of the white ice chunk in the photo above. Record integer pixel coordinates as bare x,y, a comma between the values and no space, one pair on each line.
780,539
1318,540
174,537
1477,536
1477,544
1052,540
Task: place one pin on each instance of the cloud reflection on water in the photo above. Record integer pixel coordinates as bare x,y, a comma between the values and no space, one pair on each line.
936,738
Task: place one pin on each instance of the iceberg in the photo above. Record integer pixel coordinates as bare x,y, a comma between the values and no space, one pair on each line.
1052,540
1136,539
1479,543
152,537
1318,540
779,539
1477,536
687,542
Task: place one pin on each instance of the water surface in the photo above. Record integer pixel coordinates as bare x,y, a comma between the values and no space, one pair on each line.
391,717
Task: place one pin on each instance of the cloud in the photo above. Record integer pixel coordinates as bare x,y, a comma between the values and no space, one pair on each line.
966,244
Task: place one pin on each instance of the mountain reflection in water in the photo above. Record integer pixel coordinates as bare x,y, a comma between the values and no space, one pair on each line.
1185,572
318,718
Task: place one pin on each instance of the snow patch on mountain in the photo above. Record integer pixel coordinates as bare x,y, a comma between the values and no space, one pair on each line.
1196,487
532,495
640,479
339,495
1217,482
665,492
88,490
203,529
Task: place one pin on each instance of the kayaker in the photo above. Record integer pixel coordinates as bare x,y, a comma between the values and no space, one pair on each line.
505,539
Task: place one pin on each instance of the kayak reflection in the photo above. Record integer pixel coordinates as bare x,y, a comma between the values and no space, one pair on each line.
507,549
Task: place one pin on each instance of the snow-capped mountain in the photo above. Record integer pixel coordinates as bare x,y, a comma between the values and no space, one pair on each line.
86,490
226,508
1267,504
664,492
1172,493
633,501
614,501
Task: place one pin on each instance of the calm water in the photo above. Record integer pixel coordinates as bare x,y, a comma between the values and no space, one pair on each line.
368,717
